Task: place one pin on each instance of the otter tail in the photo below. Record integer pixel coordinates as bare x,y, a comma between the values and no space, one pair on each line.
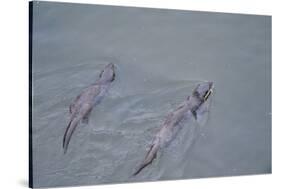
68,133
150,156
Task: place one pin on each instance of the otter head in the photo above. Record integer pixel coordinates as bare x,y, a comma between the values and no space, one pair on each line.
108,73
203,90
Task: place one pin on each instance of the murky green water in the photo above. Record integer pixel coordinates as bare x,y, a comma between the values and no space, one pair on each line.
160,57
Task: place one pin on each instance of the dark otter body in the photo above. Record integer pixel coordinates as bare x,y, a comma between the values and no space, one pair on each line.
84,103
189,108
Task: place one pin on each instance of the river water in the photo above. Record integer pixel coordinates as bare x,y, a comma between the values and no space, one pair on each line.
160,57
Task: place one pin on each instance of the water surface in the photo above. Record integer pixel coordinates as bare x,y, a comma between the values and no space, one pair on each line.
160,55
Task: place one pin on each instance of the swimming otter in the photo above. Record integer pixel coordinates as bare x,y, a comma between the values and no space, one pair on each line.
89,98
189,108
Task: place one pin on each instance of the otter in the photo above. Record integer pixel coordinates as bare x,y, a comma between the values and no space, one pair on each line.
188,109
82,106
